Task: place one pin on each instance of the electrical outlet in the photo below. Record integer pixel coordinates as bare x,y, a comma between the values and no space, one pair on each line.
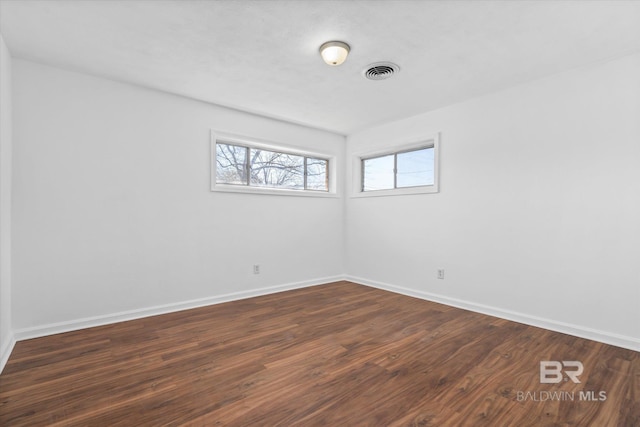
256,269
441,273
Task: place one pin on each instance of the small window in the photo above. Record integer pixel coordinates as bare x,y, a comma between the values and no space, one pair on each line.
316,174
231,164
378,173
404,169
257,167
407,168
415,168
275,170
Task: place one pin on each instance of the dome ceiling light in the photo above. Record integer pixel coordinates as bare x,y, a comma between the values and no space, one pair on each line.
334,53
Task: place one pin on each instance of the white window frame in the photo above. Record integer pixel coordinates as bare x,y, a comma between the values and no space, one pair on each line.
232,139
411,145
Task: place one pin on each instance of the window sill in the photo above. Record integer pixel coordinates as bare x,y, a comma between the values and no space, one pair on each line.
222,188
428,189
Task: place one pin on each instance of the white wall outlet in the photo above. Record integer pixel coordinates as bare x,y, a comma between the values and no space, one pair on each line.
256,269
441,273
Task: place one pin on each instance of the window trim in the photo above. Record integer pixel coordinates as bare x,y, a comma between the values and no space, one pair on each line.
238,140
407,146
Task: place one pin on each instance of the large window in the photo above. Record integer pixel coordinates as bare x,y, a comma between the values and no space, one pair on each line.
409,169
252,166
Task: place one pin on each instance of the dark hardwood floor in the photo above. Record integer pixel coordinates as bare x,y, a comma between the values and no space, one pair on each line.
339,354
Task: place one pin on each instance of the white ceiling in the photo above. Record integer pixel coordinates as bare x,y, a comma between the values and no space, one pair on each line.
262,56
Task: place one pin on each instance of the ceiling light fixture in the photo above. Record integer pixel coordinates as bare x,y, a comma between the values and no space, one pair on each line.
334,53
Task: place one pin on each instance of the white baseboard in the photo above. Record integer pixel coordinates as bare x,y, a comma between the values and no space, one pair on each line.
566,328
89,322
5,351
552,325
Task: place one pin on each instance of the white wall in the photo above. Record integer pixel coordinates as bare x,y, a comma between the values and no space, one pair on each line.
538,217
113,210
6,334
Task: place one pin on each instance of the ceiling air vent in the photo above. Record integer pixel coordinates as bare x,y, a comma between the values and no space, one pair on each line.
380,70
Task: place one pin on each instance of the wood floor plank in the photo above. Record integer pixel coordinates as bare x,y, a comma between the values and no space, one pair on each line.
339,354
